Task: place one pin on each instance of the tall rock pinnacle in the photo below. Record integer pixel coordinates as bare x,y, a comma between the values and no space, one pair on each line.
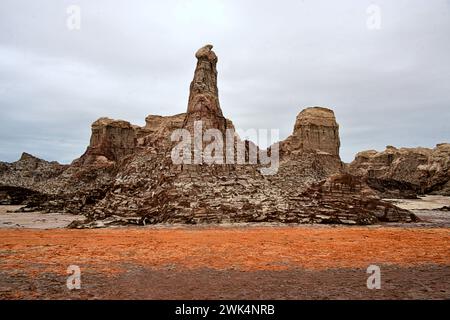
203,93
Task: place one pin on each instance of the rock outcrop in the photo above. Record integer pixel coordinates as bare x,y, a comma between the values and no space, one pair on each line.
157,129
29,172
311,152
316,130
111,140
155,125
127,174
405,172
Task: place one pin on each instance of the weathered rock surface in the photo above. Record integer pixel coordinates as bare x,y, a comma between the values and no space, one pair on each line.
204,95
29,172
127,174
16,195
405,171
111,140
316,130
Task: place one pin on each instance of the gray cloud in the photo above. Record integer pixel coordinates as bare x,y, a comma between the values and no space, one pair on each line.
131,59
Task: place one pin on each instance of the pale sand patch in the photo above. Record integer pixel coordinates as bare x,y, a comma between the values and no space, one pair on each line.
34,220
424,203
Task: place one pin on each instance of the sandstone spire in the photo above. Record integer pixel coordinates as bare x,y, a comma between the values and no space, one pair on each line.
203,93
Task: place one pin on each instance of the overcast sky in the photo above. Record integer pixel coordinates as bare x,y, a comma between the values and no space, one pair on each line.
388,85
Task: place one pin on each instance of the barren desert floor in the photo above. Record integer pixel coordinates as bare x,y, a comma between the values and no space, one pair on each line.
225,262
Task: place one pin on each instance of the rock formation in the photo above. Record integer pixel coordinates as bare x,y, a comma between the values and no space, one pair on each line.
111,140
17,195
311,152
29,172
203,102
316,130
154,124
405,172
127,173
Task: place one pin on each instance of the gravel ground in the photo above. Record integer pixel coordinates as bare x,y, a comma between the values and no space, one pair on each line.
244,261
423,282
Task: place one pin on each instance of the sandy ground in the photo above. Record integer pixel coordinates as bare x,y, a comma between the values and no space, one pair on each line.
426,209
423,203
224,262
34,220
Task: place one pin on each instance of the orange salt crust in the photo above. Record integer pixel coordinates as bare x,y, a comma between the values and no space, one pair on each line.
246,249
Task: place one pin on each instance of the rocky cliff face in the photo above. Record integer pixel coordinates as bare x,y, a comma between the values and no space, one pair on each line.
111,140
128,171
311,153
405,171
316,130
29,172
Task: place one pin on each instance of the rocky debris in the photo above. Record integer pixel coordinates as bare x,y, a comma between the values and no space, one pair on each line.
127,175
393,189
163,193
107,222
405,172
212,195
3,167
351,204
298,171
72,203
29,172
316,130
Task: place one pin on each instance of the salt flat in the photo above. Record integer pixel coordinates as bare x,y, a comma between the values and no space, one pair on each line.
34,220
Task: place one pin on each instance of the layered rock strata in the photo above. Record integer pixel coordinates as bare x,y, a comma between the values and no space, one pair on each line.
111,140
405,172
315,130
203,104
128,172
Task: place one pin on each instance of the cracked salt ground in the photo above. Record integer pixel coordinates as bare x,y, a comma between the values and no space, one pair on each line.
34,220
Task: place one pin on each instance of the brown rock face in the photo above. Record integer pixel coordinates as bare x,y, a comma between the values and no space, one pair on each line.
29,172
154,123
316,130
203,94
110,140
399,171
129,172
157,129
